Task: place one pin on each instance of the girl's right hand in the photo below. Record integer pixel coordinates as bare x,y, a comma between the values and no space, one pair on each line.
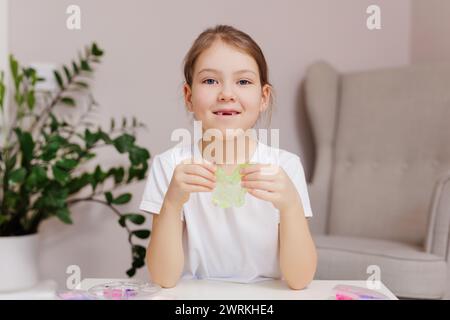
190,176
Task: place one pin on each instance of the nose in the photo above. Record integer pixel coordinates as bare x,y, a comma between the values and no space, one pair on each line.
226,94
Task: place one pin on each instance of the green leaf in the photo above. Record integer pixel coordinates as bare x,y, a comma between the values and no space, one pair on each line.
85,65
75,67
131,272
60,175
133,217
67,72
67,164
3,219
124,142
18,175
99,174
104,136
109,197
141,234
137,172
64,215
53,197
139,251
11,162
78,183
54,123
119,174
122,199
20,98
54,143
50,150
30,73
11,199
58,79
68,101
2,89
90,138
37,177
138,155
82,84
96,51
14,66
97,177
137,263
30,99
26,146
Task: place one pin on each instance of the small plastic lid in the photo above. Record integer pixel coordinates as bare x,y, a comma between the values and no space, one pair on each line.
124,290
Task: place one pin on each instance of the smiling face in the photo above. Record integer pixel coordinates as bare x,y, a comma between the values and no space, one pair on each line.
226,91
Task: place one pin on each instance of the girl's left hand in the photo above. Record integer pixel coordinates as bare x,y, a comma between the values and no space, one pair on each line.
270,183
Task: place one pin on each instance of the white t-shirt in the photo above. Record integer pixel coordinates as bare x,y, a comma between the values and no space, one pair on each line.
232,244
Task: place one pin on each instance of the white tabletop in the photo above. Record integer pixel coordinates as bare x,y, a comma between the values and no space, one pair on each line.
264,290
44,290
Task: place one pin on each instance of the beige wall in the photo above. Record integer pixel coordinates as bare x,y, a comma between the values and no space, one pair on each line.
3,34
4,63
430,29
145,42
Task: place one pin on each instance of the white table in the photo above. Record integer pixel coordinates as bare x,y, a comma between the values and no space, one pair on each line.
265,290
44,290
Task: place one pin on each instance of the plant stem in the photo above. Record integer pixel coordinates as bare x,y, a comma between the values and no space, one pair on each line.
117,212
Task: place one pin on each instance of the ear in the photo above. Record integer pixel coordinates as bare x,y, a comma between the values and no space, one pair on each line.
187,91
266,92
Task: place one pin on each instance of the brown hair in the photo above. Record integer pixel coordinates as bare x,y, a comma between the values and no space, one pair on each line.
233,37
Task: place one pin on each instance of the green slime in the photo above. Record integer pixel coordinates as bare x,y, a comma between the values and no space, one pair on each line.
228,192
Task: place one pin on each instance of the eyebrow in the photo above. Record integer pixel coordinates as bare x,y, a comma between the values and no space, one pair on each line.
217,71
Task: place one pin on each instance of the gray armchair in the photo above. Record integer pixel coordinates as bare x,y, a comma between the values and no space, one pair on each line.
380,189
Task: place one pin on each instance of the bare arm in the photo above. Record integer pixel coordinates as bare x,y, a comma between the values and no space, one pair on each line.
165,257
298,257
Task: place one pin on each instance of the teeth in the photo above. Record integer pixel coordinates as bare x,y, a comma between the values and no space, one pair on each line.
221,113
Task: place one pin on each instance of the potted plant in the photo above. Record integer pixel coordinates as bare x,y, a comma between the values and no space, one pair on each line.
44,159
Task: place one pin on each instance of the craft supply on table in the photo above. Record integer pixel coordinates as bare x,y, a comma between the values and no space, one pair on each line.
348,292
119,290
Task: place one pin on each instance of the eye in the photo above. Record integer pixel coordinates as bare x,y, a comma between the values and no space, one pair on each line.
244,82
209,81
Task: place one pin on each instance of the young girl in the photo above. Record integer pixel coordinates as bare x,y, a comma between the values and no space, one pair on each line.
227,87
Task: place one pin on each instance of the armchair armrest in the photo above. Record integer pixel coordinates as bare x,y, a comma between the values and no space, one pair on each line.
437,241
318,194
322,83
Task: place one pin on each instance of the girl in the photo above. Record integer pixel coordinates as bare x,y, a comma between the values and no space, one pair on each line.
226,87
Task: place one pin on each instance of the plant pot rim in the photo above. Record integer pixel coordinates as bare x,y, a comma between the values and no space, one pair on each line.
31,235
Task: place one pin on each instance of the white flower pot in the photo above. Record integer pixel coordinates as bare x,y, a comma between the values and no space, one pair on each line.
19,268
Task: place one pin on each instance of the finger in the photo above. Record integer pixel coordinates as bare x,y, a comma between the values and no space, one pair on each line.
258,176
198,180
210,166
197,188
250,168
260,185
261,167
200,171
203,163
260,194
